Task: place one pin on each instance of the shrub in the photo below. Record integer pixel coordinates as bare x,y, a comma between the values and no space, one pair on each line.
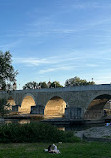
34,132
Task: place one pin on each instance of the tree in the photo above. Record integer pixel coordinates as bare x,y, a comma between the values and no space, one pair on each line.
7,73
35,85
31,85
4,107
43,85
55,84
76,81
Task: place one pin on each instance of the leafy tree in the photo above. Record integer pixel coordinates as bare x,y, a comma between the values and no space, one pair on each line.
7,73
4,107
55,84
43,85
31,85
35,85
76,81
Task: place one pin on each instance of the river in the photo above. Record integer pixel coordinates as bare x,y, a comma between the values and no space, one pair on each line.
60,127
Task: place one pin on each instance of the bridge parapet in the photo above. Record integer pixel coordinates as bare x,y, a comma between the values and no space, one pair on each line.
64,89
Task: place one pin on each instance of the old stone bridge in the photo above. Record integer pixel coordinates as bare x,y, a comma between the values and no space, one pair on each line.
72,102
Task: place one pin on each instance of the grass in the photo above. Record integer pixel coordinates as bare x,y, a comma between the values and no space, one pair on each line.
68,150
26,141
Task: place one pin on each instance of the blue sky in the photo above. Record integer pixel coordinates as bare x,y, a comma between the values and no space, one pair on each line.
57,39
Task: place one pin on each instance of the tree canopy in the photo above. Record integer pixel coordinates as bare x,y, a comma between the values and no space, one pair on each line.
76,81
43,85
35,85
55,84
31,85
7,72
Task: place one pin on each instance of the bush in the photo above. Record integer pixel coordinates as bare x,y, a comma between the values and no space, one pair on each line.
34,132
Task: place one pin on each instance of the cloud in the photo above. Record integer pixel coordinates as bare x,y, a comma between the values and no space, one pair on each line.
30,61
89,5
76,58
49,60
76,63
10,45
92,65
58,68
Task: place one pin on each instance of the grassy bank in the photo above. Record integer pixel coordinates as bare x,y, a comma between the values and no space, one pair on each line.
68,150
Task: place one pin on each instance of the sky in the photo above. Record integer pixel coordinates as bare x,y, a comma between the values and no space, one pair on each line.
57,39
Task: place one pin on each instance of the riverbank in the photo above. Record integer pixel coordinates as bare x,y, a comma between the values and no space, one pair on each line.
95,132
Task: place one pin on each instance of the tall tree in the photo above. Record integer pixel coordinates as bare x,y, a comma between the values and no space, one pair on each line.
76,81
7,72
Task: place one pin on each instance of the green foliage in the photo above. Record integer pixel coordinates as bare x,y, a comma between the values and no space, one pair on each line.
55,84
7,72
76,81
34,132
35,85
31,85
43,85
4,107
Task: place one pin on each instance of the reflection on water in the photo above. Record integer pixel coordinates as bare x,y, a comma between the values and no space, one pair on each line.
8,121
78,127
60,127
23,121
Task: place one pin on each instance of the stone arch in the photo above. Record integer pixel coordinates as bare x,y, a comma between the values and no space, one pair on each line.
27,94
55,107
50,96
11,101
95,109
27,101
